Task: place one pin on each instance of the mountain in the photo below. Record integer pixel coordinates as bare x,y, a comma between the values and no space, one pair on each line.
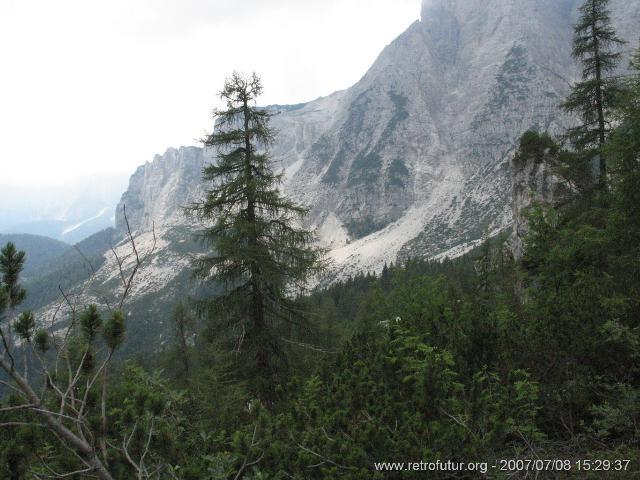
41,251
413,160
70,212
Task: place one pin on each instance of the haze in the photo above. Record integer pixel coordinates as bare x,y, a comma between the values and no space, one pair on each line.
92,88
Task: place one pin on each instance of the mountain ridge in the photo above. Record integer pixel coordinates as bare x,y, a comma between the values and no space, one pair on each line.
413,160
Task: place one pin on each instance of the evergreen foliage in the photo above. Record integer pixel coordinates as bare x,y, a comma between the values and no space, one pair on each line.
42,340
40,251
24,326
259,255
114,330
90,322
594,45
11,264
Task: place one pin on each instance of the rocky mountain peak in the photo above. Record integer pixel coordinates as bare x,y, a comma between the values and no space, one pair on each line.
159,189
414,158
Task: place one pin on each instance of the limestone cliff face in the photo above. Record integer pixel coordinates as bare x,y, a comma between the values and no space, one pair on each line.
414,158
533,183
159,190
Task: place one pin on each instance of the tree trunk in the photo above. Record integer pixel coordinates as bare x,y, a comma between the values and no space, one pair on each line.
599,99
184,347
258,320
103,416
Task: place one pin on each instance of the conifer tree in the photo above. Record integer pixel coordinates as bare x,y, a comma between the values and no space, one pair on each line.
594,46
11,264
260,254
623,152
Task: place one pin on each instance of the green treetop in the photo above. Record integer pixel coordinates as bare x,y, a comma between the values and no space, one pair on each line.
11,264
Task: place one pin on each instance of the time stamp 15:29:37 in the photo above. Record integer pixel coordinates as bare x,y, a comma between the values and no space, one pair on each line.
562,465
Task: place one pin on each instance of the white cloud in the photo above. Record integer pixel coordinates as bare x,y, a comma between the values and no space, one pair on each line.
90,86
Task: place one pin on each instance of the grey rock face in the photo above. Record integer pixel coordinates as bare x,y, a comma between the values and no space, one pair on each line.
159,190
414,158
533,183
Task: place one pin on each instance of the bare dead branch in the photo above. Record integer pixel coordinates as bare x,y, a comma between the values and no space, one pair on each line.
18,407
55,474
138,262
69,424
84,449
13,387
125,449
6,347
325,459
146,447
22,424
93,273
120,263
84,257
126,219
308,346
246,464
95,377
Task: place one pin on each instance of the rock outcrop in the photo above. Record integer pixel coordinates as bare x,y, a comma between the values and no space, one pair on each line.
159,190
533,182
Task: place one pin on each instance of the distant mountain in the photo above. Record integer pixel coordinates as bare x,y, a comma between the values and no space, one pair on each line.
70,231
69,213
67,269
41,251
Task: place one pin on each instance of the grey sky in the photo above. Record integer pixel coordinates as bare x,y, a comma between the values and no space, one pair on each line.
89,87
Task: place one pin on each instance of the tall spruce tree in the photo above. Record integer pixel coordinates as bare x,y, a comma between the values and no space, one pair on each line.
594,45
260,254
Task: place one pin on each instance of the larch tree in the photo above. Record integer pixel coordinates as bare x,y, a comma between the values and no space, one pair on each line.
260,254
594,46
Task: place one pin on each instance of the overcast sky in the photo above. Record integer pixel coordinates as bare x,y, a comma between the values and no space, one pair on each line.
88,87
